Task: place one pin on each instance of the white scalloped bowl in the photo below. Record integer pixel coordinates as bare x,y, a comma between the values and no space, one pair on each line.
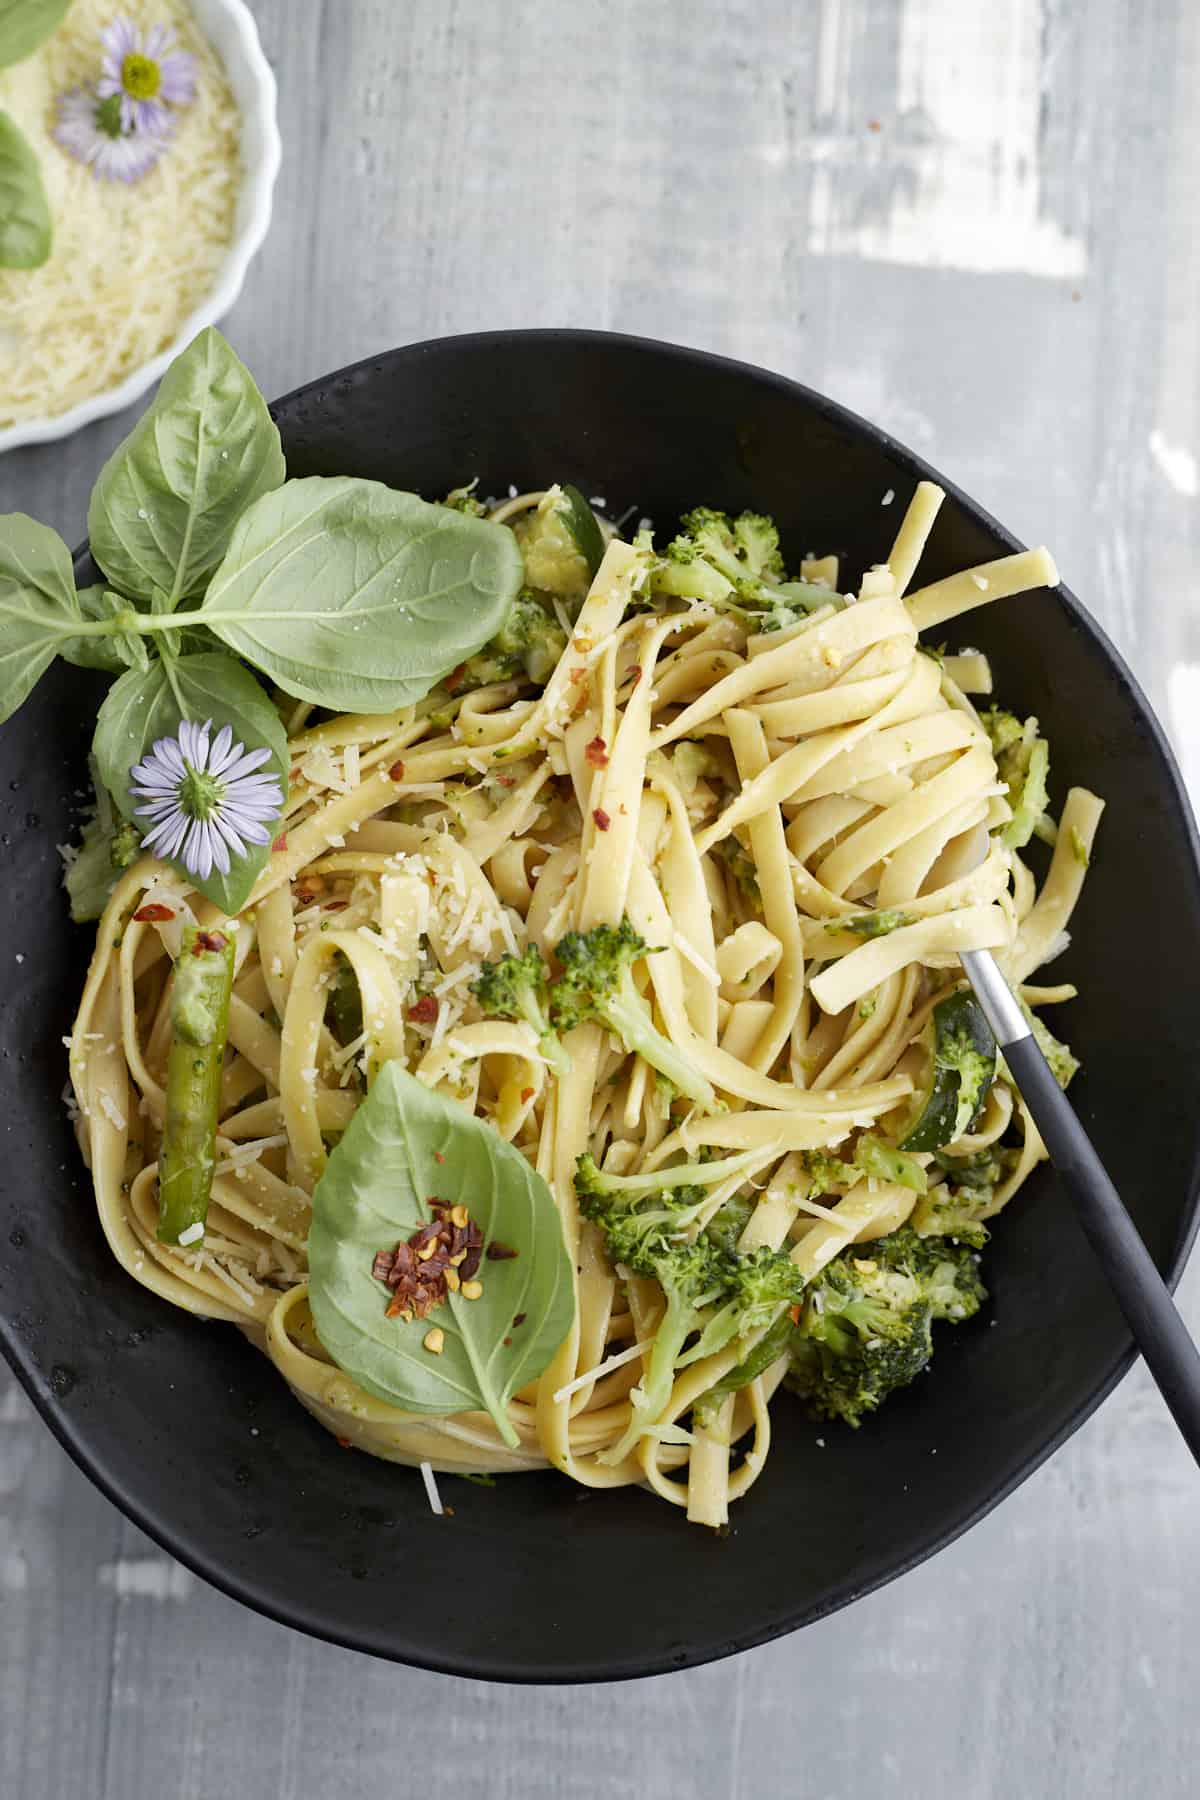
230,28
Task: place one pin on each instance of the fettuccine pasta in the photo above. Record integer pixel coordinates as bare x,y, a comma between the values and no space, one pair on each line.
807,824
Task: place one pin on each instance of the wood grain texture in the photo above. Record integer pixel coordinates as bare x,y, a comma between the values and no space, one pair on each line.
710,173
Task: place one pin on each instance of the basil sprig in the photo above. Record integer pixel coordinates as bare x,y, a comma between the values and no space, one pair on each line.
404,1145
342,591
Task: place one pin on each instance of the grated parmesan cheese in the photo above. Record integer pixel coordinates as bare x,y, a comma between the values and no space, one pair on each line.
601,1369
129,264
431,1489
111,1110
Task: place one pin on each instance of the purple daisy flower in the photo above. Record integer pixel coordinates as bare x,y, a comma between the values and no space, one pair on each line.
89,129
147,75
203,798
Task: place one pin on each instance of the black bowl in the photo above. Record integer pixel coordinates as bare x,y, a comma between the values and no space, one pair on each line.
195,1436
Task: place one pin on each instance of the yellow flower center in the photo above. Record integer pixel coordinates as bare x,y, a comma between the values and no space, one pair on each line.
140,76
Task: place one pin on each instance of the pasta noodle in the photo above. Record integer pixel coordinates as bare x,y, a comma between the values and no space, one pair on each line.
808,824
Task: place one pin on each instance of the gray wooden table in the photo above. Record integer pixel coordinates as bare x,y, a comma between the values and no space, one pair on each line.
974,223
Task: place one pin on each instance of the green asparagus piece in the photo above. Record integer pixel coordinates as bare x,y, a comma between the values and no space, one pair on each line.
199,1022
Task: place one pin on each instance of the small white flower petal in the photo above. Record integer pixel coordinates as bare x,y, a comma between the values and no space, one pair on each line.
225,828
219,755
167,754
195,859
254,785
247,761
220,851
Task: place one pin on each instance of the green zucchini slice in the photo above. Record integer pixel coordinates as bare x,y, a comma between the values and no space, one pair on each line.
961,1062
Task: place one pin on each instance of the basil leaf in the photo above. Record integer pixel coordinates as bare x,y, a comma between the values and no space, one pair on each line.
25,230
168,498
357,597
24,24
38,608
143,706
125,650
404,1144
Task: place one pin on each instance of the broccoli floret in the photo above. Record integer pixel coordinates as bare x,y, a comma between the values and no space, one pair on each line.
126,846
527,646
827,1174
757,540
958,1050
725,1228
863,1333
735,565
947,1273
691,1277
885,1163
757,1286
953,1210
463,500
1061,1058
667,1201
597,984
866,1328
554,560
1023,763
678,1185
517,987
713,1294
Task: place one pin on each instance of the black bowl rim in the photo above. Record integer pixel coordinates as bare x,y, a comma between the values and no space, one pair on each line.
294,1613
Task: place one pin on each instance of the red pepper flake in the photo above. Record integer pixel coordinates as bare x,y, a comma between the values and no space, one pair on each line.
635,673
527,1094
507,1341
153,914
596,753
454,677
601,818
280,842
345,1443
507,781
794,1314
208,940
498,1252
419,1271
438,1157
424,1010
335,906
396,772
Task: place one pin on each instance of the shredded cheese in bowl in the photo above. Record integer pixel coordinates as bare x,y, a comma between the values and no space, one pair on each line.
129,264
